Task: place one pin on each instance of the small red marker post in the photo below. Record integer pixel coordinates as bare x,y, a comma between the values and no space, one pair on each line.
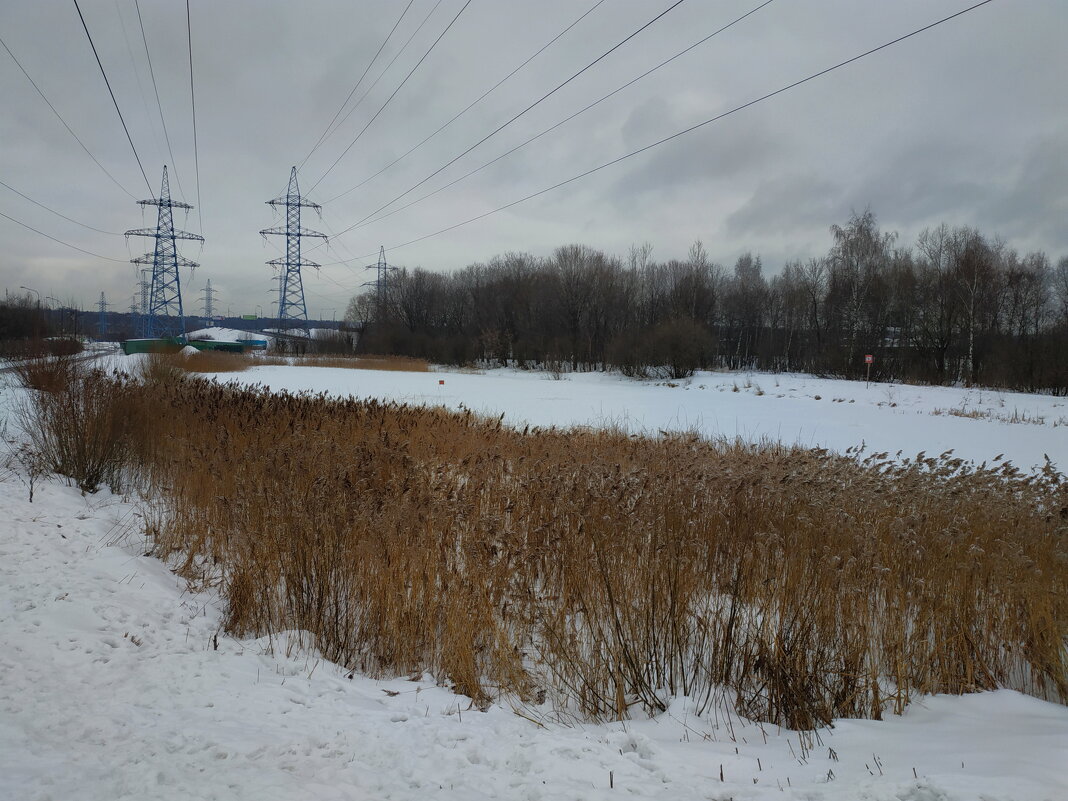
868,359
441,382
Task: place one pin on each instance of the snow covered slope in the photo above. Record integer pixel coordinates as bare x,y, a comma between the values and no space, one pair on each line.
111,686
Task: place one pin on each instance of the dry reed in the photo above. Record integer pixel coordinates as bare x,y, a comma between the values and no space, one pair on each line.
604,571
45,372
404,364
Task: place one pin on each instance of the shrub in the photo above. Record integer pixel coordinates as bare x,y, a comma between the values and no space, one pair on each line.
78,428
678,348
45,373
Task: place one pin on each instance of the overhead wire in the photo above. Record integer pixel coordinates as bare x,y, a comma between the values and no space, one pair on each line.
386,69
394,94
110,92
471,105
58,214
368,221
59,116
533,105
367,69
683,132
159,104
60,241
136,72
193,103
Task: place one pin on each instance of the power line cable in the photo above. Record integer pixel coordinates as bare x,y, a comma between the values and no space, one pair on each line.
137,74
53,211
382,74
471,105
159,105
368,221
193,103
60,241
541,99
114,180
683,132
367,69
113,100
388,99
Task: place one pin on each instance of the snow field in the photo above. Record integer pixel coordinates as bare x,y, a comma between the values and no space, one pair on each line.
113,689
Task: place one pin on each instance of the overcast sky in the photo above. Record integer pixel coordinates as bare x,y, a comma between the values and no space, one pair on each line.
965,124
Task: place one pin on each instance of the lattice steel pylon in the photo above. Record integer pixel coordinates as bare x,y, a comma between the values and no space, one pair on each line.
292,310
381,283
165,316
209,301
143,286
102,322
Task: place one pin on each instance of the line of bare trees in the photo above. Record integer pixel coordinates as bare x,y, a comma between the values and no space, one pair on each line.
955,307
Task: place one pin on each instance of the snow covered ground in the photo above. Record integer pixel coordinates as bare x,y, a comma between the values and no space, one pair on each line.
112,687
794,409
117,682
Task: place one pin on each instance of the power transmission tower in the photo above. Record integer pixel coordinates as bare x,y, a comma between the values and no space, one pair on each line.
292,310
135,314
165,316
143,286
209,301
103,323
381,283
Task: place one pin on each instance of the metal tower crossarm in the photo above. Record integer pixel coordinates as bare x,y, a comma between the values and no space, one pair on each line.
165,315
292,309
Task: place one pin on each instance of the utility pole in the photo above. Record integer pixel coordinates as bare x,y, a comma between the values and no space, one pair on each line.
166,316
37,316
292,310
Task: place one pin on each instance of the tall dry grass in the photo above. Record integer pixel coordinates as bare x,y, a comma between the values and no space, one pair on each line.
44,371
603,571
77,426
162,366
405,364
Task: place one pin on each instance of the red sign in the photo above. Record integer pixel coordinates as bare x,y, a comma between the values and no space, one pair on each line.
441,382
869,359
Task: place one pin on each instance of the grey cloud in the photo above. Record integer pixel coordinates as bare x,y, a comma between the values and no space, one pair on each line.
960,124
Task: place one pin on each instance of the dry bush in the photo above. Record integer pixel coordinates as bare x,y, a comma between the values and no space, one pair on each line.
160,367
608,572
169,366
405,364
47,373
78,429
214,361
362,362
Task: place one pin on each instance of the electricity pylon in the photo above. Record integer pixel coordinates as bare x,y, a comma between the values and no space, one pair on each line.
292,310
165,314
103,322
209,301
144,285
380,283
135,314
